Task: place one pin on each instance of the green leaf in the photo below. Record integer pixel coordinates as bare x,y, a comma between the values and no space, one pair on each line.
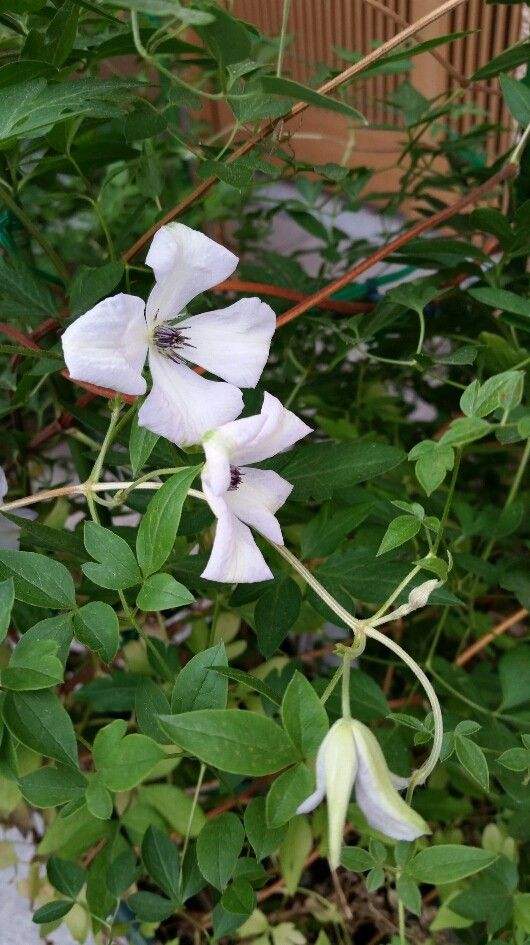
158,528
175,806
161,859
117,569
23,294
162,592
33,665
515,759
150,700
433,461
90,285
218,847
357,860
304,717
141,444
271,85
41,723
247,679
409,894
514,675
401,529
99,799
198,688
465,430
96,626
503,299
286,794
318,470
122,873
58,629
324,533
448,863
52,911
294,852
236,741
275,613
239,898
509,59
149,907
517,97
502,390
473,760
7,599
225,36
50,787
263,839
124,760
38,580
66,877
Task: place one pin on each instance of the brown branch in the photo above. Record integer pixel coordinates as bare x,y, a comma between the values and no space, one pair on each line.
509,170
269,127
279,292
488,638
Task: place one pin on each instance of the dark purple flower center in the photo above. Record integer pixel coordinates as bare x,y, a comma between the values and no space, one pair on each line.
169,339
236,478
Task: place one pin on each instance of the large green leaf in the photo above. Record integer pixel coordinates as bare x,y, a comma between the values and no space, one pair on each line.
318,470
448,863
38,580
235,741
158,528
41,723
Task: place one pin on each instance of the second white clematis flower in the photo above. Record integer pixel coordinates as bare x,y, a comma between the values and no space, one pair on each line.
349,756
241,496
108,345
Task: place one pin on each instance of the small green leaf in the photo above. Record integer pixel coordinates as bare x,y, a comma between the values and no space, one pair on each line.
515,759
50,787
275,613
7,599
124,760
356,859
448,863
52,911
286,793
162,592
409,894
218,847
41,723
141,444
161,859
272,85
99,799
96,626
38,580
304,717
517,97
401,529
90,285
66,877
158,528
473,760
196,687
239,898
117,569
33,665
263,839
149,907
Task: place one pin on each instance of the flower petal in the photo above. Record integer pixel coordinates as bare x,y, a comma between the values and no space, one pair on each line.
3,485
341,769
250,440
280,430
233,342
108,344
260,493
320,773
182,405
185,263
235,557
375,794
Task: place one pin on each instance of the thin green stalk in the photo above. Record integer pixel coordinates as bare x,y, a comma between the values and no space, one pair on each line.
283,36
35,233
448,502
331,684
345,691
193,808
401,922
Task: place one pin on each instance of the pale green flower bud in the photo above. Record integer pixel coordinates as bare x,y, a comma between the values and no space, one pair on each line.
350,755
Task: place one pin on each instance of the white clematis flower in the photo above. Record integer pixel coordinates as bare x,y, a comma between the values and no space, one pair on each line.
351,755
241,496
108,345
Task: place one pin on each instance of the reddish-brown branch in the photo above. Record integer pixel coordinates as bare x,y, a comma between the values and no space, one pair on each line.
279,292
269,127
509,170
488,638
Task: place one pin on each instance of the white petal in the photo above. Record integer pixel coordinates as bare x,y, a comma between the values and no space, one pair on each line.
3,485
9,535
185,263
108,345
235,557
280,430
375,794
182,405
223,444
320,772
260,493
341,769
233,342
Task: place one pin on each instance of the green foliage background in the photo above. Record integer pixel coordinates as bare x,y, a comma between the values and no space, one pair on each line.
112,713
